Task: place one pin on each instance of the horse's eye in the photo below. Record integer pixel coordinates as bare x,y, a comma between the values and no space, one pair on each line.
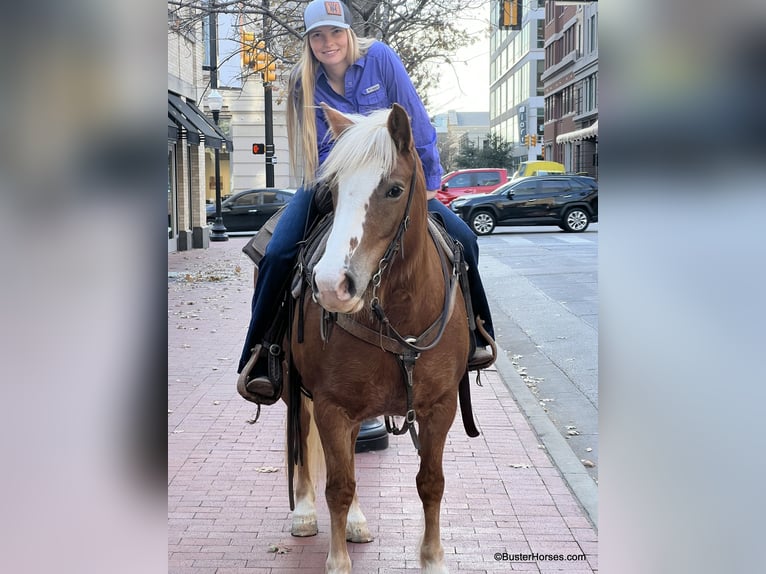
394,192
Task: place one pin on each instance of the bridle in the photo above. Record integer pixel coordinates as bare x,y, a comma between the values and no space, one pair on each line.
407,348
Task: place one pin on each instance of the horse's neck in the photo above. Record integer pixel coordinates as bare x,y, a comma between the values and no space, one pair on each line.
416,269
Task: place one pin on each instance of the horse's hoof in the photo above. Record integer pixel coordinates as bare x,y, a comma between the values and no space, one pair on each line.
358,534
305,527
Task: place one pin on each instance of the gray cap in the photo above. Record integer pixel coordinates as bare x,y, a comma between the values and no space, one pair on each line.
327,13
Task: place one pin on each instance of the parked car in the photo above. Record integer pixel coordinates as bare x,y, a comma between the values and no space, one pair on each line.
465,181
538,167
249,210
569,201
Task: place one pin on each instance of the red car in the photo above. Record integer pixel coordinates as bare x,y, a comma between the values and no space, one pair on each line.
465,181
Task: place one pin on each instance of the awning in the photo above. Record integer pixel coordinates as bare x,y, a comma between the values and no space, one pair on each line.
189,117
172,130
577,135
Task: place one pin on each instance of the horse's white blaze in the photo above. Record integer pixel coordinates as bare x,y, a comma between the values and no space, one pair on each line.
330,271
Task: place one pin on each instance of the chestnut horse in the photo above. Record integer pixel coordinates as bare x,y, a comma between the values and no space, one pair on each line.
385,332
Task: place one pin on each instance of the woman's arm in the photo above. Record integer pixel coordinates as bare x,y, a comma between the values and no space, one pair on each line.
401,90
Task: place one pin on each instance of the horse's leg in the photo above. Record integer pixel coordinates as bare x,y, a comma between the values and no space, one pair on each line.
356,523
305,513
430,482
336,432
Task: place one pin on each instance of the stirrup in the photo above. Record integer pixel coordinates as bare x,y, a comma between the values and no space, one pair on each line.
260,390
481,358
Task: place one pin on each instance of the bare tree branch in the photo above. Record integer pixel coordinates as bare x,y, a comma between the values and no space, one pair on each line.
424,33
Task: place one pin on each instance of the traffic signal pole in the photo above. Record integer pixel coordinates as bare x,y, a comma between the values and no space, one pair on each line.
267,109
269,134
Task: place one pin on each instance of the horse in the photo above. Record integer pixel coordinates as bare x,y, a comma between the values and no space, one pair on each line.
384,332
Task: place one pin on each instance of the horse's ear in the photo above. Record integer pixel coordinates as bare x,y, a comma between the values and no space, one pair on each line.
338,122
399,128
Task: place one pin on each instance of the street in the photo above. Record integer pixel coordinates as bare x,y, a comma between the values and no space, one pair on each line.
542,286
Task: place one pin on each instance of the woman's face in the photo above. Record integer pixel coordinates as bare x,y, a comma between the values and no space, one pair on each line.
329,45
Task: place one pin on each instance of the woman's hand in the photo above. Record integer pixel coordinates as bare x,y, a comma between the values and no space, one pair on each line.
431,194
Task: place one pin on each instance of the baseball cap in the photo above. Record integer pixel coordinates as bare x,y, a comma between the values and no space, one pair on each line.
327,13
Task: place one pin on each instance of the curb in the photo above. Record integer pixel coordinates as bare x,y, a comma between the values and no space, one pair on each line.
577,478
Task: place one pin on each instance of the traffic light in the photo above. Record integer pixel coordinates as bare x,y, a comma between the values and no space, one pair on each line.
248,49
270,73
510,14
259,149
526,140
261,56
534,140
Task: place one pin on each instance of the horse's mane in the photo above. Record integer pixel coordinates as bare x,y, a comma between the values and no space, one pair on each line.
367,142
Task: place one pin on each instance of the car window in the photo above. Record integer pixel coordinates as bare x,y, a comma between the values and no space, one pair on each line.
488,178
462,180
525,188
583,184
269,197
554,186
283,197
247,199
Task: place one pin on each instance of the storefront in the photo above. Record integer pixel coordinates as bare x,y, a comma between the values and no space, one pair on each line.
580,149
189,133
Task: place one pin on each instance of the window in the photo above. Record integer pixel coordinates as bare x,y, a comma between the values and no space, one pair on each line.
462,180
554,186
592,34
247,199
525,188
269,197
488,178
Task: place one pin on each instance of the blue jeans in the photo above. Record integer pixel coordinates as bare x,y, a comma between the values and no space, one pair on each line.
277,264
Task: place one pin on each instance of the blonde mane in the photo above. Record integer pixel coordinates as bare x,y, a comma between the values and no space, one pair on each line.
367,142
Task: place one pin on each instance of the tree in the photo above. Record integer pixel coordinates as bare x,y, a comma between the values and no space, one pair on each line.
498,152
469,157
495,153
423,32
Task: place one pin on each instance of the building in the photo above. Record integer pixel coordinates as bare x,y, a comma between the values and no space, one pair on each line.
457,130
517,63
571,85
190,134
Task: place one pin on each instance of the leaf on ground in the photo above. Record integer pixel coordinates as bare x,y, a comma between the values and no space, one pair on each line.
588,463
279,549
267,469
520,466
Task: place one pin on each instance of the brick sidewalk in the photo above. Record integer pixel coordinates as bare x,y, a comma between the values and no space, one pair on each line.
225,509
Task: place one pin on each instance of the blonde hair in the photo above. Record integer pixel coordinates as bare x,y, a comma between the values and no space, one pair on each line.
301,125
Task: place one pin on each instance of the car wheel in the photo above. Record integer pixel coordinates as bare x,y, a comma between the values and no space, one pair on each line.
482,222
576,220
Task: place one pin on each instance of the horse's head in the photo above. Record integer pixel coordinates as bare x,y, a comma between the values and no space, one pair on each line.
372,171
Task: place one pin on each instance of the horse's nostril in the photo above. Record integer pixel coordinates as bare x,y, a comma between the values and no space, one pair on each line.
350,287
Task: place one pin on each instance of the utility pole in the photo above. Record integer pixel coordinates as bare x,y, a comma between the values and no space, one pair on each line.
267,106
218,232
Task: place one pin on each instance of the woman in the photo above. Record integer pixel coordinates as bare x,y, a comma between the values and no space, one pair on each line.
353,75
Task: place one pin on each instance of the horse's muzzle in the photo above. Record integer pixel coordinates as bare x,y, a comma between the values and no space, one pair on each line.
337,294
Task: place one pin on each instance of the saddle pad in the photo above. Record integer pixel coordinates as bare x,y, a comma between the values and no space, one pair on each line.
256,247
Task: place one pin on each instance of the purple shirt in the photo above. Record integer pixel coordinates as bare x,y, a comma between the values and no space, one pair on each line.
376,81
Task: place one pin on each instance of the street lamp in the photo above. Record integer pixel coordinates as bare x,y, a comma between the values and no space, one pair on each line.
218,233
